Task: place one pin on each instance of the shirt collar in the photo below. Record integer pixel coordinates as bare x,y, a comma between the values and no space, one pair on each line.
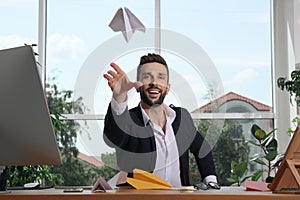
171,114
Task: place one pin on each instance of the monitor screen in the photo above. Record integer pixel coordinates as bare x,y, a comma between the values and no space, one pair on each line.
26,131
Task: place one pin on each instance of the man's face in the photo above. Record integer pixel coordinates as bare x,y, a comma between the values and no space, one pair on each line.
154,77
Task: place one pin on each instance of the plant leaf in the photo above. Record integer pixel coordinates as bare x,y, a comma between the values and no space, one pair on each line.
254,128
271,155
257,175
259,161
245,178
269,179
240,169
272,145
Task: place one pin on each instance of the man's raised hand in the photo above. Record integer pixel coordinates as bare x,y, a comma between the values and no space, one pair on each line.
119,83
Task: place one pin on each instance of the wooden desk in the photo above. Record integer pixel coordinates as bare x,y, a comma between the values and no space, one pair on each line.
226,193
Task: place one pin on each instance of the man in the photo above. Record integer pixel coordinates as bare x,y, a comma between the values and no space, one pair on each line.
153,136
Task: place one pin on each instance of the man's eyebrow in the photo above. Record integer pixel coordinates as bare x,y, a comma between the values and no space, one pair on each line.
146,73
151,73
161,73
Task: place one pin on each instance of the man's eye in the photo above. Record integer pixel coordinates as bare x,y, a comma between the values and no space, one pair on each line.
162,77
146,76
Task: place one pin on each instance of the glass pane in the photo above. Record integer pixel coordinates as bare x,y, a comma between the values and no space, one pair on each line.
20,28
228,42
233,142
80,46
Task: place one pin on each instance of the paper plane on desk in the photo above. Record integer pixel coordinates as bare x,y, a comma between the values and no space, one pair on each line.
101,185
256,186
126,22
145,180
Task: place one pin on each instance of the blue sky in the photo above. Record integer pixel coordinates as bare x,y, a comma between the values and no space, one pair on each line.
234,33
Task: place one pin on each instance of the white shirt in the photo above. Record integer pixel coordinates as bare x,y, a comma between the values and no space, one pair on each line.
167,161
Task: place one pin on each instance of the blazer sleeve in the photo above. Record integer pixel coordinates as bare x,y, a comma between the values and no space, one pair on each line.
115,127
134,142
127,131
199,148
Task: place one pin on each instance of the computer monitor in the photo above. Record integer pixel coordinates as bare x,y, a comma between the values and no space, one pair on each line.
26,131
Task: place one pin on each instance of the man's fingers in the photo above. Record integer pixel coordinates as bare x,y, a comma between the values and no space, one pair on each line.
112,73
107,77
117,68
138,85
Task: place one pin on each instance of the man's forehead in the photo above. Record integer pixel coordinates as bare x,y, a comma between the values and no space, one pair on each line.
154,67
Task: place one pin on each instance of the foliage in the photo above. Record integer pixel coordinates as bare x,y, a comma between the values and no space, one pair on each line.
268,158
72,171
19,175
268,144
231,139
292,86
291,131
239,171
109,168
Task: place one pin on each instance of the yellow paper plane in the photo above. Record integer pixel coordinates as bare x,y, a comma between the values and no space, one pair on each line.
145,180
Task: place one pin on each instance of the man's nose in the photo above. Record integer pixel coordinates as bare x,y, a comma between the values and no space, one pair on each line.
153,79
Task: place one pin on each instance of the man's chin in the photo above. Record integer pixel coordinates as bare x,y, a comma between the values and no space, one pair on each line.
146,98
153,103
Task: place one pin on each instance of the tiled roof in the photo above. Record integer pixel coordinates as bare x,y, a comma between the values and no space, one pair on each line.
90,159
233,96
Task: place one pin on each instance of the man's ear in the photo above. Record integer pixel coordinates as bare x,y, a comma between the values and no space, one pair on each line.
168,88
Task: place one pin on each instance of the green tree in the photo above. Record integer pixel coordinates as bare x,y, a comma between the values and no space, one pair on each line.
109,168
231,146
72,171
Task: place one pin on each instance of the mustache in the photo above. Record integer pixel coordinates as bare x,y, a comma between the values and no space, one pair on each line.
152,86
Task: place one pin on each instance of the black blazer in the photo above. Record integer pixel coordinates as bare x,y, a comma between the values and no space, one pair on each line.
135,143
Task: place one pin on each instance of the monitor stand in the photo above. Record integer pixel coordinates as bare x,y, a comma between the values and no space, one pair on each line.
3,178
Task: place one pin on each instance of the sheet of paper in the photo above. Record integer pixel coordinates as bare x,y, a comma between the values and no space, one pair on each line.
256,186
145,180
149,177
126,22
117,179
144,185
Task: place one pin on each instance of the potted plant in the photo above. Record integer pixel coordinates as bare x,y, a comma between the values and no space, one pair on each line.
268,158
293,87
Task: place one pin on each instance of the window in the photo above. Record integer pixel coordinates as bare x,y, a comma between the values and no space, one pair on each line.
219,53
231,38
21,28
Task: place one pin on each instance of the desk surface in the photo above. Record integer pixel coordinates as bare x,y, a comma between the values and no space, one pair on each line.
226,193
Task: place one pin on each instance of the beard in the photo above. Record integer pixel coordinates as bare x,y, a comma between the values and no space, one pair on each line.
148,101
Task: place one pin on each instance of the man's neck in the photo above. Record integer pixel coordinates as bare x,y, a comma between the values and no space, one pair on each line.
156,113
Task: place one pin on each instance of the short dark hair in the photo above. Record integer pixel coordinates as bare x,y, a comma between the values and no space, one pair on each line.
150,58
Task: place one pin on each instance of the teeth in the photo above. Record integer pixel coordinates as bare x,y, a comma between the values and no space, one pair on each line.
153,91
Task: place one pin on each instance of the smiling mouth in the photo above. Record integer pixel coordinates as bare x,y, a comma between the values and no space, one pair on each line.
154,92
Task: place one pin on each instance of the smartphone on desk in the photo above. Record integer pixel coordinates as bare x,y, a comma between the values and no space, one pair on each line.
73,190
